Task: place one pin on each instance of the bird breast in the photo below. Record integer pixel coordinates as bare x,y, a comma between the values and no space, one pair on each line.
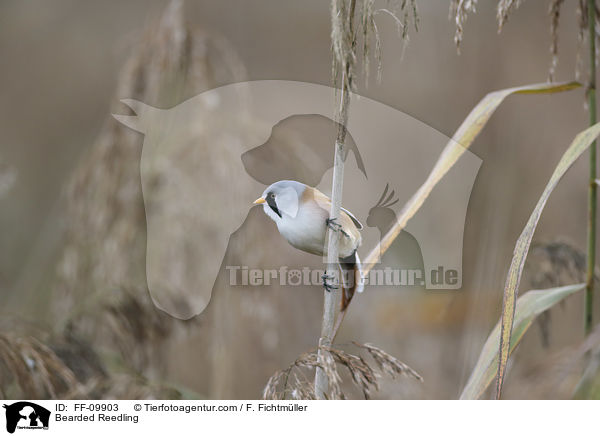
308,229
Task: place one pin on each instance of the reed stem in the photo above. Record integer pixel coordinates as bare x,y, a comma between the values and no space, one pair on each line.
331,298
591,224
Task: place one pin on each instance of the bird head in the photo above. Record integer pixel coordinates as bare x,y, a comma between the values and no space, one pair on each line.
282,199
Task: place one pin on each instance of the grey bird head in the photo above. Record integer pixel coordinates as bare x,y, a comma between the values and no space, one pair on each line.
282,198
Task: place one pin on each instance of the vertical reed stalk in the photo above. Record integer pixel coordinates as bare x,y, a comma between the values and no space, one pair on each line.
331,298
591,224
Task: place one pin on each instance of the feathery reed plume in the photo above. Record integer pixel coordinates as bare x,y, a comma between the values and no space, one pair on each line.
554,11
294,382
504,9
459,10
32,367
363,376
303,389
345,40
101,268
388,363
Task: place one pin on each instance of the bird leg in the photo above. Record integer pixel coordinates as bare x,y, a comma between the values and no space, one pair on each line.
333,225
328,286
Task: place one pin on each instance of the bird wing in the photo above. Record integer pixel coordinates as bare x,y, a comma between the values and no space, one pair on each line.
325,203
350,225
355,220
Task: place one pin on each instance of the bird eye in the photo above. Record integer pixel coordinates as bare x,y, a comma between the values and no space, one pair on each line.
272,195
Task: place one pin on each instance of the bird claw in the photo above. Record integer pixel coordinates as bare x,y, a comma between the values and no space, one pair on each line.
328,286
333,225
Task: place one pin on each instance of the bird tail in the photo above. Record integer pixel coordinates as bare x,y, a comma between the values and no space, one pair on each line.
351,278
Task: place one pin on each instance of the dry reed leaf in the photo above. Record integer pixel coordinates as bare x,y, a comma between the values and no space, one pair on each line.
581,142
528,307
460,142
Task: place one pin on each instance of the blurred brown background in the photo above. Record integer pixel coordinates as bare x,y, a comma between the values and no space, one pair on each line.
66,64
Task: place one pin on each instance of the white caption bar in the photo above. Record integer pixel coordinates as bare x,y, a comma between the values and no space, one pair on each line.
297,417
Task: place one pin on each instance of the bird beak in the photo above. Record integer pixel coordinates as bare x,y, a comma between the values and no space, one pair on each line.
260,200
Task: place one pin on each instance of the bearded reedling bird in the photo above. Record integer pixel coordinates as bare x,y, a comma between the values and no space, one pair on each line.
302,217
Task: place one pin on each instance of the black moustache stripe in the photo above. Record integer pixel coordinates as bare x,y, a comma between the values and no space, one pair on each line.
273,205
